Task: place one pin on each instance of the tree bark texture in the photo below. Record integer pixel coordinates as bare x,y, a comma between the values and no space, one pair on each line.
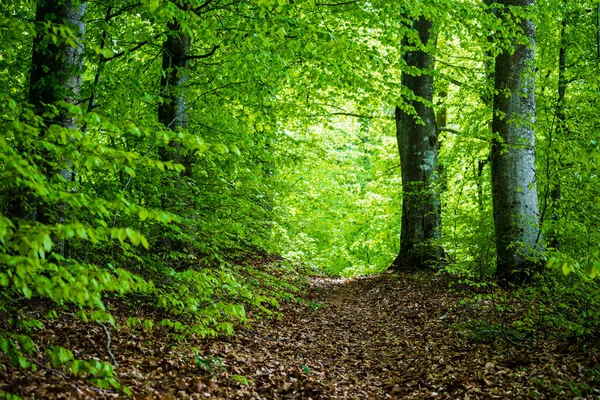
172,112
56,75
418,147
514,187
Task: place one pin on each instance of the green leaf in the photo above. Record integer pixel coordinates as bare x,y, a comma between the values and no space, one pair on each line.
566,268
143,214
26,292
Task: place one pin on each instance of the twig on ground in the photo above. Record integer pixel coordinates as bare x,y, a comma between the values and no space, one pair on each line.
68,378
112,357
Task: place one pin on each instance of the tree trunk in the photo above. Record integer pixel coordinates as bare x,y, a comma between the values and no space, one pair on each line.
561,120
418,146
514,188
56,68
172,111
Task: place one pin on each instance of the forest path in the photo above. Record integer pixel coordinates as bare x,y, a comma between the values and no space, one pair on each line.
388,336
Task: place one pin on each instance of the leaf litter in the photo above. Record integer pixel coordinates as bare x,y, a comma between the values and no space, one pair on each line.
380,337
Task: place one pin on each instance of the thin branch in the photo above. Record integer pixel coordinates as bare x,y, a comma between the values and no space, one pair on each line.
212,91
449,130
205,4
347,114
92,98
294,184
209,54
112,357
137,47
123,10
345,3
125,188
68,378
199,10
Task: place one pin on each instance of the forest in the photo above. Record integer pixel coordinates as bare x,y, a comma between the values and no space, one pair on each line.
300,199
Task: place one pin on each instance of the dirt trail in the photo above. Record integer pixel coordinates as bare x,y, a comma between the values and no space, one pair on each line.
388,336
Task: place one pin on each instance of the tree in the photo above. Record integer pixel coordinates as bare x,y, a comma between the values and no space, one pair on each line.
54,85
553,240
514,186
418,146
172,111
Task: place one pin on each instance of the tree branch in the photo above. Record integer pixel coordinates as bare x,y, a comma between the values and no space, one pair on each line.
67,378
134,48
347,114
205,4
112,357
449,130
209,54
345,3
123,10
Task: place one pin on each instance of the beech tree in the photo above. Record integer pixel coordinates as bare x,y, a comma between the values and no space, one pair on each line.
172,111
418,146
514,180
54,85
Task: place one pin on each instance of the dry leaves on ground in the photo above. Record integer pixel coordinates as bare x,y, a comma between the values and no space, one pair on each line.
386,336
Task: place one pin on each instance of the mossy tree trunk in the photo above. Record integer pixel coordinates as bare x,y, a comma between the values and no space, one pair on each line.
418,146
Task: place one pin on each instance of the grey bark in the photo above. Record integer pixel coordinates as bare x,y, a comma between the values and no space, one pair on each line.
514,186
55,76
172,111
172,114
418,147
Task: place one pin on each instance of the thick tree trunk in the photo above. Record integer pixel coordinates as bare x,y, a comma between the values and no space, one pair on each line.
514,187
418,146
56,68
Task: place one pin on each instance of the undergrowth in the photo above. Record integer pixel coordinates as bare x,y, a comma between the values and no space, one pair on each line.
203,302
551,306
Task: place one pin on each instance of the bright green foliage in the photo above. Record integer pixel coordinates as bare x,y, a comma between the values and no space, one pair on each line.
343,195
113,215
293,151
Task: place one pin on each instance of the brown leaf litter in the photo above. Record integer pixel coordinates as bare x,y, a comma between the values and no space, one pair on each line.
381,337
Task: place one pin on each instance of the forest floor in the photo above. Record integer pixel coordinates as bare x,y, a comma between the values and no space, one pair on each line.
387,336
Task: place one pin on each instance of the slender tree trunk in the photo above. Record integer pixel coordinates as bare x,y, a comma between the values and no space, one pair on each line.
514,186
561,119
479,182
56,68
487,97
441,122
418,146
172,111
